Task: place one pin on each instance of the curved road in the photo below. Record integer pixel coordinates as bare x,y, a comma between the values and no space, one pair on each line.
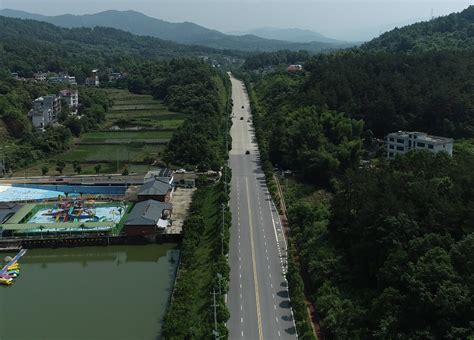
258,297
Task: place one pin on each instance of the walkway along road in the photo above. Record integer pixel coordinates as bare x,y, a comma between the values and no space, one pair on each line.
258,298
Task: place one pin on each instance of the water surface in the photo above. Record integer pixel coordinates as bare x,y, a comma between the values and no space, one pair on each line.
118,292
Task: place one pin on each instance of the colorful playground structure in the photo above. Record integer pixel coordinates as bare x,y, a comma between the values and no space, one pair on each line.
74,210
11,270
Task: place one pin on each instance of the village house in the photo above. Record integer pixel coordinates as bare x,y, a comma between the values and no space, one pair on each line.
45,111
71,97
148,218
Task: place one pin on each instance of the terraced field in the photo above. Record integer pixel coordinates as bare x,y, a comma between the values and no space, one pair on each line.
136,130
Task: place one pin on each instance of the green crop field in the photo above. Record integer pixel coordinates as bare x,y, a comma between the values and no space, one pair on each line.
110,153
125,136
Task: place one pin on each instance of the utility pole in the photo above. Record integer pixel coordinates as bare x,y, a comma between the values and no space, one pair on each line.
219,277
223,225
214,305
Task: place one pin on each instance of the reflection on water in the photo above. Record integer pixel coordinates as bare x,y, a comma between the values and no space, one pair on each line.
116,292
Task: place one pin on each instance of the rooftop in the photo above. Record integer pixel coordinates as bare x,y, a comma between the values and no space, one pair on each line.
158,186
147,212
421,135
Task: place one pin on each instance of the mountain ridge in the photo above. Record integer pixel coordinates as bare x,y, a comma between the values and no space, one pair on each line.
291,34
185,33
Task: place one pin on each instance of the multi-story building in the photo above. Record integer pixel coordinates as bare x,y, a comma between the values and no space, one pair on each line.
93,80
72,99
64,79
401,142
45,111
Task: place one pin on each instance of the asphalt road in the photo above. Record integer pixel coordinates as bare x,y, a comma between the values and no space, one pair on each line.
258,297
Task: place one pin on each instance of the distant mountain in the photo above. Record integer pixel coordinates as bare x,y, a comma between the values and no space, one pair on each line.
185,33
451,32
291,34
27,46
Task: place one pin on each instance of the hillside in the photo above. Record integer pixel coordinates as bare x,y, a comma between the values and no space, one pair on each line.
451,32
292,34
27,46
185,33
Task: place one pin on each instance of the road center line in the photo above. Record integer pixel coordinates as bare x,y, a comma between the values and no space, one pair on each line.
254,265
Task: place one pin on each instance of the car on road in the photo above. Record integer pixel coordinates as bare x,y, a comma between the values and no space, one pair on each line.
241,118
180,171
247,152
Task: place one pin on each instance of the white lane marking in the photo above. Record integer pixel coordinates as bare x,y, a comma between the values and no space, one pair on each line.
273,296
279,333
241,308
276,318
271,285
270,275
274,307
243,333
241,320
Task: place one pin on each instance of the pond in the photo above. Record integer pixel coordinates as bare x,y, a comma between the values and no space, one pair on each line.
118,292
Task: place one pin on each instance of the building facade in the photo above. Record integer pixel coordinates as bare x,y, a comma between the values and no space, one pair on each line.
45,111
402,142
93,80
64,79
72,99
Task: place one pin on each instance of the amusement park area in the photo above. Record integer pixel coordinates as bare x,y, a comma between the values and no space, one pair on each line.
39,213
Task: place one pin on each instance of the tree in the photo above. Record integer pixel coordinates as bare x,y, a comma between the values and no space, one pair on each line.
78,169
97,168
44,170
60,165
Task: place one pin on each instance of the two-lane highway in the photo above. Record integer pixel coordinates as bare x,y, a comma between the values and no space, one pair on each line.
258,298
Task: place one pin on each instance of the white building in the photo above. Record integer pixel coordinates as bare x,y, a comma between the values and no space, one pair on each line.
45,111
64,79
93,80
71,97
401,142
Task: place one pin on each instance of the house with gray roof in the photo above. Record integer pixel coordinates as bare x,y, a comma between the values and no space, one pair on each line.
159,189
148,218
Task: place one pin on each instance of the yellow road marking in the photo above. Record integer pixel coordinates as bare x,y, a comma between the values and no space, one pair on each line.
255,281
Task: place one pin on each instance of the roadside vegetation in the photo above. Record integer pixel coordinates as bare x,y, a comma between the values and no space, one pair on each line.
383,248
204,269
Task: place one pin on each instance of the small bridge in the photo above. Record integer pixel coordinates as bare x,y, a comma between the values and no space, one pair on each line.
13,261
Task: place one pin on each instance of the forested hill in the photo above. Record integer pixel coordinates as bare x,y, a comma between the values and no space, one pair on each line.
452,32
184,33
27,46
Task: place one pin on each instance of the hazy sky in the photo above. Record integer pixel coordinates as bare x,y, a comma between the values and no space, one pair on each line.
342,19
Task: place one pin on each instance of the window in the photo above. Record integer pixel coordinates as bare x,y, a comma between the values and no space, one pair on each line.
390,154
391,146
430,146
409,144
400,148
401,141
421,145
392,139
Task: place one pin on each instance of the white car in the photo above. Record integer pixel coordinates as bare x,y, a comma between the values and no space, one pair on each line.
180,171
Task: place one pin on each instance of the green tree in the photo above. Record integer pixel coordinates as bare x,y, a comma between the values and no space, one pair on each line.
60,165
